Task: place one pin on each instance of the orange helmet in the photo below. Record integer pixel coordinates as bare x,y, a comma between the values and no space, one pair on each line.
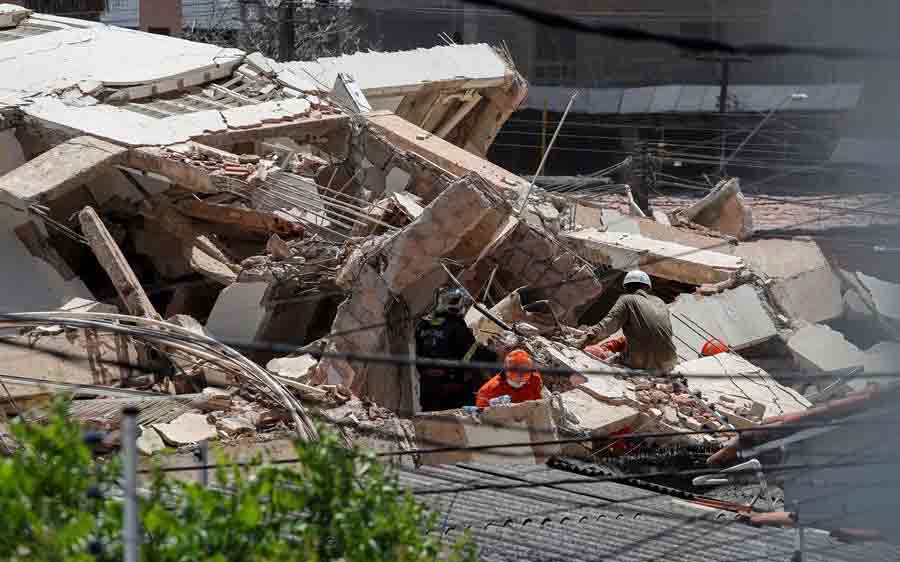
518,368
713,347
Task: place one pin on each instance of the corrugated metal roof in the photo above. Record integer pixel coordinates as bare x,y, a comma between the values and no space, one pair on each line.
685,98
601,521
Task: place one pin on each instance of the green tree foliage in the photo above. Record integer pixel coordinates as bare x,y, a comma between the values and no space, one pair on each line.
59,504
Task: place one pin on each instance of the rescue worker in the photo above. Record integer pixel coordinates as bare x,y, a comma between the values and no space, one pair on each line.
445,335
517,381
644,319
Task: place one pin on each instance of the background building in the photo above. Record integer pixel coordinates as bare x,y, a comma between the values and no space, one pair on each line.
650,92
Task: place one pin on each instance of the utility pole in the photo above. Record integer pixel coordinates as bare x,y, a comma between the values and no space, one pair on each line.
286,30
130,525
724,81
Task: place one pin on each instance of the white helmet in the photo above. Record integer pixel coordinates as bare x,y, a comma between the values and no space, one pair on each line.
637,276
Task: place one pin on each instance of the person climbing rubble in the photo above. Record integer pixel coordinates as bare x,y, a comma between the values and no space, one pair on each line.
644,319
517,382
445,335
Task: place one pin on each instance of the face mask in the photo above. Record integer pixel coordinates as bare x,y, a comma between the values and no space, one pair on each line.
515,384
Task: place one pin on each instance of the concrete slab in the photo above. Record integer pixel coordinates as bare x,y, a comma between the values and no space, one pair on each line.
238,313
110,55
515,423
149,442
296,368
778,258
734,377
723,209
668,260
61,169
885,295
597,417
391,73
33,284
803,284
186,429
820,349
605,387
814,296
737,317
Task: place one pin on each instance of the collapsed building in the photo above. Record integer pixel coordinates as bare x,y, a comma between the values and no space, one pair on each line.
232,243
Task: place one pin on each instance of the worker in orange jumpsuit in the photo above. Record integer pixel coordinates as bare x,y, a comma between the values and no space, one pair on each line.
517,381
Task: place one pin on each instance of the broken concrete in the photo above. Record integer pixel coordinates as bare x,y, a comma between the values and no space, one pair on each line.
603,384
61,169
820,349
724,209
797,269
458,225
149,442
238,314
524,255
596,417
738,317
668,260
514,423
733,377
296,368
186,429
234,426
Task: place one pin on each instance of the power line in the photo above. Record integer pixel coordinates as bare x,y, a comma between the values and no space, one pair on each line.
560,21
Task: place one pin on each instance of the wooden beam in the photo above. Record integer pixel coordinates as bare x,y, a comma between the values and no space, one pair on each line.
116,266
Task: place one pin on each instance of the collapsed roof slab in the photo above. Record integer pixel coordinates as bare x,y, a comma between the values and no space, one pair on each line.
730,375
737,317
668,260
61,169
399,73
111,56
284,118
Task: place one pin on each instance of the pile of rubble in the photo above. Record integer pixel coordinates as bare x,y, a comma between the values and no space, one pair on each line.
228,241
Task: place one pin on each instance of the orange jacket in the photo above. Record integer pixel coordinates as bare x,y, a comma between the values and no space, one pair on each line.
498,386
